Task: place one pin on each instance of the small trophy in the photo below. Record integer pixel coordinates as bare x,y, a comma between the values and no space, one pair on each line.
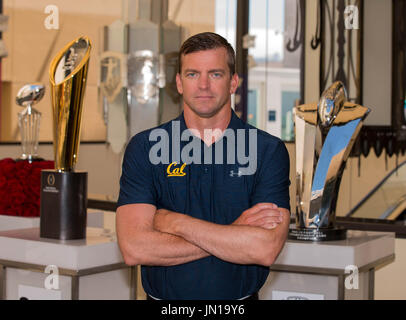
325,134
146,75
29,120
64,190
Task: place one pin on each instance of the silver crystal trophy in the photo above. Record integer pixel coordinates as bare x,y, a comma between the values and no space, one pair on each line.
325,133
29,120
145,75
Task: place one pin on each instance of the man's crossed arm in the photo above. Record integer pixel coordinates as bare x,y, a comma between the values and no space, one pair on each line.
160,237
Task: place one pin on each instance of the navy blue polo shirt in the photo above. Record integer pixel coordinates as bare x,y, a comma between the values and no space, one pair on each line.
215,191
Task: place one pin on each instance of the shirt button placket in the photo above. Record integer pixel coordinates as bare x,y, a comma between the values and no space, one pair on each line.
206,186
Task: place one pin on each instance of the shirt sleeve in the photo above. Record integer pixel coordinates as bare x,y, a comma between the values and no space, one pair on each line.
272,180
136,182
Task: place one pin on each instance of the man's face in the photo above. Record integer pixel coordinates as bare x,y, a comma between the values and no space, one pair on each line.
205,81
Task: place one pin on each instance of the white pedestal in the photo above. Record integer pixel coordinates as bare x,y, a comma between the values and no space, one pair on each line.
91,268
308,270
11,222
94,219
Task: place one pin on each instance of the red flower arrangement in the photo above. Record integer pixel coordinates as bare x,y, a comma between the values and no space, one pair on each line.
20,187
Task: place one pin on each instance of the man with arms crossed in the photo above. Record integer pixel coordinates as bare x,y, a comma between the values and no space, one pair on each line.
204,230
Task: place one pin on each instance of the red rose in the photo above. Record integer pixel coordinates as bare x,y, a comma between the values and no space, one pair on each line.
8,170
34,182
6,161
31,197
22,170
45,165
30,210
3,181
36,173
4,198
15,211
15,192
14,186
17,199
20,184
3,209
20,165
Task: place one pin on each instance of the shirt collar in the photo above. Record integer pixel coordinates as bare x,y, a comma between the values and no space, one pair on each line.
235,121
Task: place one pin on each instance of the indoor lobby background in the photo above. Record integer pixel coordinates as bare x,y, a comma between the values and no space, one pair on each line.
275,81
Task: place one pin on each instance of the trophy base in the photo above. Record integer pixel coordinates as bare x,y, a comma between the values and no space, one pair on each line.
317,235
30,159
63,208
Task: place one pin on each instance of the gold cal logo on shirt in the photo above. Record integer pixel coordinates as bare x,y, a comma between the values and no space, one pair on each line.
175,172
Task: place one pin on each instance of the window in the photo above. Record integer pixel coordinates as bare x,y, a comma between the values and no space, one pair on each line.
274,79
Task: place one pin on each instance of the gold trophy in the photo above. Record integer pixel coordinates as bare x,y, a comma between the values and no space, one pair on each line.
64,190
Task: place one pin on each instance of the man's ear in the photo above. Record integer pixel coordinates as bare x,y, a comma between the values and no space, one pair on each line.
179,84
234,83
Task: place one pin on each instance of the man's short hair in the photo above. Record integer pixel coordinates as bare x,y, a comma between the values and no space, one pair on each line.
207,41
